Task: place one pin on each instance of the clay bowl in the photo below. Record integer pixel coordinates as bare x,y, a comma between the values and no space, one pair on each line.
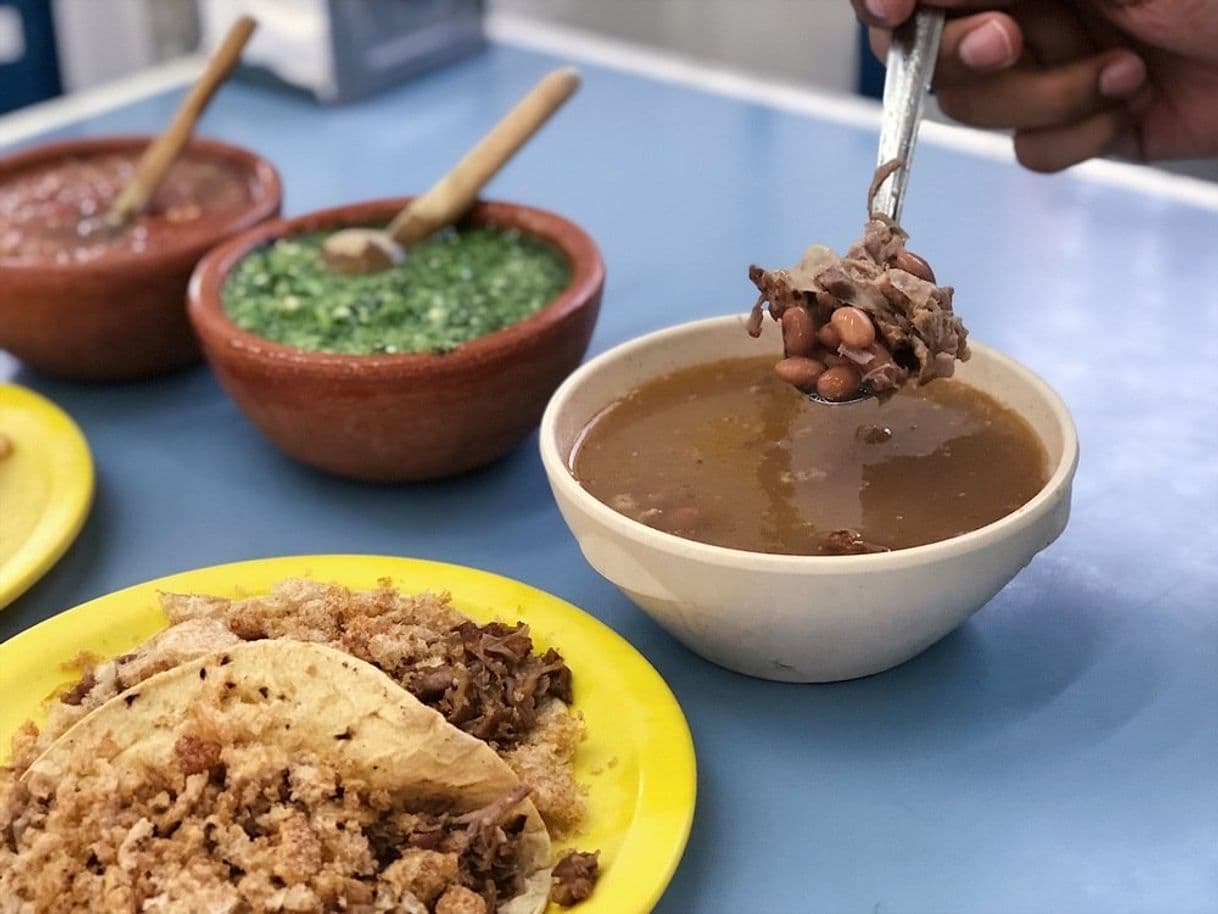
123,316
405,417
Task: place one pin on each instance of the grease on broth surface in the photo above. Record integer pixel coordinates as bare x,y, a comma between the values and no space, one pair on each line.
725,453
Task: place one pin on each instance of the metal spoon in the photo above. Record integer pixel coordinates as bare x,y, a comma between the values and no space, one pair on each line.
364,250
910,66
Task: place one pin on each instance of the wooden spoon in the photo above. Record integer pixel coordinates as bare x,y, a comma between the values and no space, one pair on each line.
363,250
157,158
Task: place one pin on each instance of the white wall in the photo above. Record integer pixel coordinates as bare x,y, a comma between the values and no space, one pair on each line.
811,41
100,40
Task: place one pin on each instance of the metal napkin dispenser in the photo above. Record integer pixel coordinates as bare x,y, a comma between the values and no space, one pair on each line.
342,50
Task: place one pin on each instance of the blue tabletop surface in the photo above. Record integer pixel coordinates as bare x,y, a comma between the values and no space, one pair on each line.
1059,752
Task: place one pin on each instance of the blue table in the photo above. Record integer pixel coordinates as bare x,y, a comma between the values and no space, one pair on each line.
1057,753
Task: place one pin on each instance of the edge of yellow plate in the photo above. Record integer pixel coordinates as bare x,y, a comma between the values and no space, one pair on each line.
74,480
648,855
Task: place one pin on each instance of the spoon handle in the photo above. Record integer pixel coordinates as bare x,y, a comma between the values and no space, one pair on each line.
456,192
911,64
160,155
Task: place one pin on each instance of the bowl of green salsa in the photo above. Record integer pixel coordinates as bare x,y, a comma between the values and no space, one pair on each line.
430,368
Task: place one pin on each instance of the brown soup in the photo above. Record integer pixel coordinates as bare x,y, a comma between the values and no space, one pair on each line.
726,453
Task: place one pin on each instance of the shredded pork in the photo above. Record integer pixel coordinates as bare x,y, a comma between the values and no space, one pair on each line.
575,877
912,315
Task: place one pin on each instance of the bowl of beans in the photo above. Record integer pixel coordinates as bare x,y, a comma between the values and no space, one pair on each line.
428,369
793,539
81,301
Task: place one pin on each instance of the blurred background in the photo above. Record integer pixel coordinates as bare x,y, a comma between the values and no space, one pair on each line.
53,47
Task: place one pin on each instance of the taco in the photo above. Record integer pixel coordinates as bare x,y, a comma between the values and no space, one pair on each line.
486,679
274,775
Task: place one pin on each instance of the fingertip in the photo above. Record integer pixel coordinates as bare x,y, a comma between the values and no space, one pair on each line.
888,12
1128,146
1029,154
880,40
955,102
1056,148
996,43
1122,76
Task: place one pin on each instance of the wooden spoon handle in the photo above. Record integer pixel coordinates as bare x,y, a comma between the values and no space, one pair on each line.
456,192
160,155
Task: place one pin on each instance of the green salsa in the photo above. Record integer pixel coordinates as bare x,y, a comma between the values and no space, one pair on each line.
453,287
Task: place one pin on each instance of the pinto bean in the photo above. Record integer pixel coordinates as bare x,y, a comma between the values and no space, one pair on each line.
829,357
833,359
828,337
799,371
913,264
854,327
798,332
841,382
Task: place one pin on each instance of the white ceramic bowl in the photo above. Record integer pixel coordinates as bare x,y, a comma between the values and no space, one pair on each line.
800,618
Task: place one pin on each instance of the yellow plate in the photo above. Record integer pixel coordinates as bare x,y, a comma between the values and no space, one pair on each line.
46,486
638,759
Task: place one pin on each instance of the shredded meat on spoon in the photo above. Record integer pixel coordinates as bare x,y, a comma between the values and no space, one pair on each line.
865,323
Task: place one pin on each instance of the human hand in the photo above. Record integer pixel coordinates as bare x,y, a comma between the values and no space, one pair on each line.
1075,78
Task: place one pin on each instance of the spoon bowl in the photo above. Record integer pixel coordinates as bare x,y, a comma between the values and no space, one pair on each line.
367,250
353,251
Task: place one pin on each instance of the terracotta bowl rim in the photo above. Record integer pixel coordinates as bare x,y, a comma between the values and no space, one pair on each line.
267,190
213,324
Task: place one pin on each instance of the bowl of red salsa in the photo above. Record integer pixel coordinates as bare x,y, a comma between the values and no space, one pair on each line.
78,300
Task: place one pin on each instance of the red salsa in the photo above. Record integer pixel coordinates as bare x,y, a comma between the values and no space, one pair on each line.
51,213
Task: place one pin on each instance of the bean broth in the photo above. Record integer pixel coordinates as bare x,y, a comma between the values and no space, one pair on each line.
726,453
